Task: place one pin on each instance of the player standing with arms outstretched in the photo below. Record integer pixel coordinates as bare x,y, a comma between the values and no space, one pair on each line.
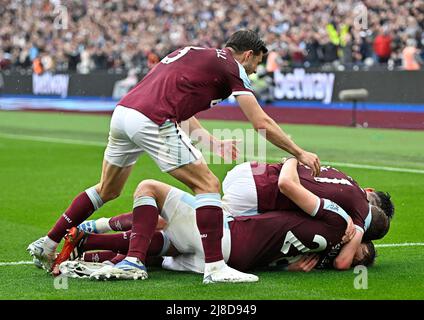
184,83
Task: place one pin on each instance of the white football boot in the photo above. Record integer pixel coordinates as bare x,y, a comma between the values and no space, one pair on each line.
226,274
40,255
79,269
125,270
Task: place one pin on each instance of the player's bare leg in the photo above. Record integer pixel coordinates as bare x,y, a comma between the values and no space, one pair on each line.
209,218
111,184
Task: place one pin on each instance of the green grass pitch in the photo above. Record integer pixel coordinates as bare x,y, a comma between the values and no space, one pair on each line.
47,158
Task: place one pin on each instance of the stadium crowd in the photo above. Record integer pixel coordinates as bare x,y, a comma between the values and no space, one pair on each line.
82,35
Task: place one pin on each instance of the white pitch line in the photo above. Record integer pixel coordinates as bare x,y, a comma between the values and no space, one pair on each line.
14,263
386,245
53,140
391,245
103,144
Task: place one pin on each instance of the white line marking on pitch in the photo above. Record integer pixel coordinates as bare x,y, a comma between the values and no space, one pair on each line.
103,144
388,245
54,140
16,263
391,245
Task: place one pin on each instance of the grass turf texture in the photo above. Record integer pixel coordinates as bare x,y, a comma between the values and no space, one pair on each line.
39,179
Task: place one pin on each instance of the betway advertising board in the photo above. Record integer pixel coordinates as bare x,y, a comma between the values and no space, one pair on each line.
300,85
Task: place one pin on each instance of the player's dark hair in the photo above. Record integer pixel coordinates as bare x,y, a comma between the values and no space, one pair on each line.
385,203
369,256
379,226
244,40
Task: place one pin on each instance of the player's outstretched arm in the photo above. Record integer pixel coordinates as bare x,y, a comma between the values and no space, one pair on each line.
274,134
223,148
289,185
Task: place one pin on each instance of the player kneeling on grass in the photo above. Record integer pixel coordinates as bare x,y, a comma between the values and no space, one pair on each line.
271,239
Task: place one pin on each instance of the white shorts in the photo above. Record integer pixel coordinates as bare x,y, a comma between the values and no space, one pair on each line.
180,213
240,196
132,133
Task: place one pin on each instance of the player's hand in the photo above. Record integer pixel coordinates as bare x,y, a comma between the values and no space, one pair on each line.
226,149
312,161
305,264
350,232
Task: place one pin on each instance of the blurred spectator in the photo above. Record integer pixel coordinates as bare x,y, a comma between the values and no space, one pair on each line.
121,87
411,58
383,45
115,34
37,66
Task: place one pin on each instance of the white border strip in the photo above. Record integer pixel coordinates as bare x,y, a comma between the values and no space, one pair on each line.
101,144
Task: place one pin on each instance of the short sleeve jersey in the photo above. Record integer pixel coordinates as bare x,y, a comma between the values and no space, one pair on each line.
331,184
263,240
186,82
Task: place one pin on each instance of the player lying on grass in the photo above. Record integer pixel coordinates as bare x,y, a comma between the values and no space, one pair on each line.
252,188
147,119
270,239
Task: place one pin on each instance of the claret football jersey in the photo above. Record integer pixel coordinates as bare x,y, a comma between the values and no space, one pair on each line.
331,184
188,81
264,240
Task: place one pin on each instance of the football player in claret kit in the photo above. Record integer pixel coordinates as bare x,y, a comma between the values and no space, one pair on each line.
260,187
271,239
184,83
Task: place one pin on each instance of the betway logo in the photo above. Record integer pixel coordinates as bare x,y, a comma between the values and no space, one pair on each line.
50,84
300,85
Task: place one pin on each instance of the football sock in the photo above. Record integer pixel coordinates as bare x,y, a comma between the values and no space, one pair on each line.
145,218
209,219
98,256
80,209
123,222
159,245
118,258
117,242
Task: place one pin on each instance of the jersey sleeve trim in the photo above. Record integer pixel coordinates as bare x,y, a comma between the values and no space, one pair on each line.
368,220
358,228
318,204
333,207
240,93
243,76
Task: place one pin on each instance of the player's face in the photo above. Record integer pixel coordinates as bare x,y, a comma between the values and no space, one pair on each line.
252,61
359,254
